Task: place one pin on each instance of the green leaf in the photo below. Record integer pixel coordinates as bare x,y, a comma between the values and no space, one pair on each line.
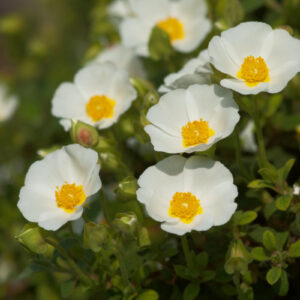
247,217
159,44
284,284
285,170
183,272
294,250
191,291
207,275
259,184
148,295
283,202
202,260
281,238
273,275
297,221
231,11
269,241
258,253
269,209
273,104
269,173
67,288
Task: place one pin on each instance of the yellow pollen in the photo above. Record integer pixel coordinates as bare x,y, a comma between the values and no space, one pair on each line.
185,206
68,196
100,107
195,133
173,27
254,71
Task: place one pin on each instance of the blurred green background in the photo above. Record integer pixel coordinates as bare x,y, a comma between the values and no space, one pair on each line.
43,43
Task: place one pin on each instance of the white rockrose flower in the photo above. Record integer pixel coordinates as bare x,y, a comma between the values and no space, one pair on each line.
196,70
188,194
8,104
57,186
120,9
123,58
99,95
184,21
247,138
193,119
258,58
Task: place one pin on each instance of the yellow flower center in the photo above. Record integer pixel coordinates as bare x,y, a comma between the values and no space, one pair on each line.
185,206
173,27
100,107
254,71
68,196
195,133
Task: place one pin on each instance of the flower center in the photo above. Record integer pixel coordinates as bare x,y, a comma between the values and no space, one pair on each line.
185,206
100,107
68,196
173,27
195,133
254,71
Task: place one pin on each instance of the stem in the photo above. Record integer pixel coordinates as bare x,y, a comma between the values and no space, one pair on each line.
238,153
186,251
83,277
236,280
263,161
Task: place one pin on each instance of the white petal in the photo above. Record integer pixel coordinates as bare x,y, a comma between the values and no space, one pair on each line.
223,213
54,220
151,11
189,9
162,141
94,79
170,113
135,34
193,35
66,123
8,106
247,38
68,102
241,87
223,56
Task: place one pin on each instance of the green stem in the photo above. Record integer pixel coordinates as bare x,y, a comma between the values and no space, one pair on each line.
123,269
263,161
236,280
83,277
186,251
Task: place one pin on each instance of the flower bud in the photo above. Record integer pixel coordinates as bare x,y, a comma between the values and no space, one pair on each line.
84,134
95,236
127,223
126,189
33,239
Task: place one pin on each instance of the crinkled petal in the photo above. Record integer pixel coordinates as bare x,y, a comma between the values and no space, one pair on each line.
162,141
241,87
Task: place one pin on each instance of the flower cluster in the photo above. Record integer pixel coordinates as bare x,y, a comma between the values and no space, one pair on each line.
183,192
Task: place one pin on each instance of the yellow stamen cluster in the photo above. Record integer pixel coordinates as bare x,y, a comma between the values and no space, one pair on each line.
100,107
185,206
68,196
173,27
254,71
195,133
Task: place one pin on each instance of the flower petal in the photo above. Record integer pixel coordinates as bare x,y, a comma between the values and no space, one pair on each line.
241,87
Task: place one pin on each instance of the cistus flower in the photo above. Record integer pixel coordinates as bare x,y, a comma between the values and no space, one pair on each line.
197,69
184,21
248,139
56,187
101,92
193,119
188,194
124,58
8,104
257,58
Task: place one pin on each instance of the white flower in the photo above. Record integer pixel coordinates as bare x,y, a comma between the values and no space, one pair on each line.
256,57
123,58
248,139
120,9
99,95
193,119
196,70
57,186
188,194
296,189
184,20
8,104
